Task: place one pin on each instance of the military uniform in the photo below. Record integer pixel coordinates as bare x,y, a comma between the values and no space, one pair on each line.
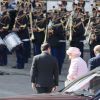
95,37
78,36
39,35
4,26
58,43
23,51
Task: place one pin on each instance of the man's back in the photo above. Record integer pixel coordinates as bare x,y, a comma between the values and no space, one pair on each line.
44,71
45,68
94,62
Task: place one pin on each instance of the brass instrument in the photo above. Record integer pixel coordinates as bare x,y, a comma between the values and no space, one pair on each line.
66,26
46,35
31,25
0,6
70,24
88,24
94,28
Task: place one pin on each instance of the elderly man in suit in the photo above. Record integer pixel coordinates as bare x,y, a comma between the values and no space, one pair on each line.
44,71
95,61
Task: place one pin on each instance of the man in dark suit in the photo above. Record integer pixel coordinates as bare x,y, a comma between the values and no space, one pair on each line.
95,61
44,71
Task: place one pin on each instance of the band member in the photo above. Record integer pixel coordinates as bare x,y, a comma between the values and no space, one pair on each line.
4,26
95,36
23,52
78,33
24,35
56,39
39,37
39,25
5,20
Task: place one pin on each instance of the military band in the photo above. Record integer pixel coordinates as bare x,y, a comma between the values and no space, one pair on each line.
28,18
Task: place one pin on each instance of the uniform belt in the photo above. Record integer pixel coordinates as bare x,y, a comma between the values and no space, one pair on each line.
62,40
25,39
81,40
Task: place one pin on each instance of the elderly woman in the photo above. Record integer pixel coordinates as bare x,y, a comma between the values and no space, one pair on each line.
78,66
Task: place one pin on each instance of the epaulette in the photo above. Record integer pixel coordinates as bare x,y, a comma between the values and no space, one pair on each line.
5,27
19,17
5,16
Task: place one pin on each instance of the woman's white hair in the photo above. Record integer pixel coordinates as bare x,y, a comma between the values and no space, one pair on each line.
74,51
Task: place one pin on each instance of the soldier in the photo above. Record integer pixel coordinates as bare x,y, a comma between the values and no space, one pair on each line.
4,26
39,26
39,35
57,41
78,33
23,52
95,36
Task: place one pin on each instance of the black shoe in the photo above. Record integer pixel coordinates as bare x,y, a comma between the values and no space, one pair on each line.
20,67
1,64
26,61
14,67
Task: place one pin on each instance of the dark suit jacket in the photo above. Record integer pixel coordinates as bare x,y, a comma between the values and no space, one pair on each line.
44,70
94,62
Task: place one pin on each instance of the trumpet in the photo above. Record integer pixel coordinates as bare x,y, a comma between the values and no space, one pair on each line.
70,24
88,24
31,22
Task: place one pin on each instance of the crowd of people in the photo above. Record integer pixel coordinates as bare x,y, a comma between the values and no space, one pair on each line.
27,25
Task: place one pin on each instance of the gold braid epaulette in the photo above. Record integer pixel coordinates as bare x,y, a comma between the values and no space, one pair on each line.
17,22
19,17
4,18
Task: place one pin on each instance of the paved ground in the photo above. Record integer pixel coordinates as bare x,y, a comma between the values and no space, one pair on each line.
16,82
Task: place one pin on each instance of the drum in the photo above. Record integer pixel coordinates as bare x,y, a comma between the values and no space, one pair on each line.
1,41
12,41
